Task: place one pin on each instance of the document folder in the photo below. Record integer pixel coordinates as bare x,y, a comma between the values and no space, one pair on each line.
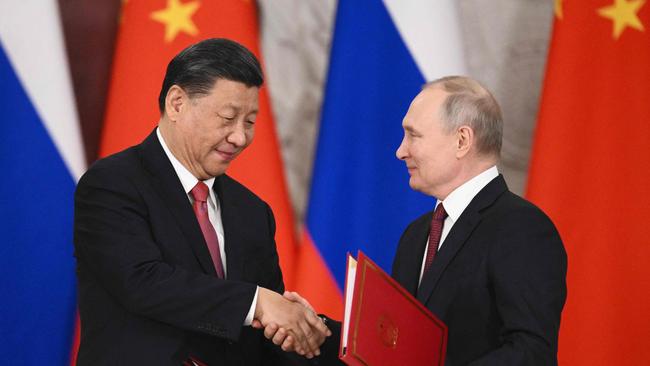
384,324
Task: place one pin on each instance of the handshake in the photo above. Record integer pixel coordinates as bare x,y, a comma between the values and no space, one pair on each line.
290,322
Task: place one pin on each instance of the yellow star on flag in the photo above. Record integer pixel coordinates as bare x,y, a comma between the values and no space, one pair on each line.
177,17
624,14
558,9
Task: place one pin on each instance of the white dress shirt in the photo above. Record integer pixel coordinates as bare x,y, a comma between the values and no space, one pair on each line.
457,201
188,180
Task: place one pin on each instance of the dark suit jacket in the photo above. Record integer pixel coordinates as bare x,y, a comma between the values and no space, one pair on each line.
148,294
498,281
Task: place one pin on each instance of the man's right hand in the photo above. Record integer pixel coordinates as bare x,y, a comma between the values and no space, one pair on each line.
299,323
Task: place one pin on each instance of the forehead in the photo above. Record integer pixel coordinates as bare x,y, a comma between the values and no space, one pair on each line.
234,94
425,108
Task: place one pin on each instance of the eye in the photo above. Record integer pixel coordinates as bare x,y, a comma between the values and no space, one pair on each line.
229,121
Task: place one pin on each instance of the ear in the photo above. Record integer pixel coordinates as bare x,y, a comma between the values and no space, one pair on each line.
464,140
175,102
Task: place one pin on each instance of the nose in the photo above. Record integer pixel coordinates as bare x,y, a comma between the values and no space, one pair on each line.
237,136
401,150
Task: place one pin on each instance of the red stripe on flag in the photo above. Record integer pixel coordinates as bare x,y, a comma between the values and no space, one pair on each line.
315,282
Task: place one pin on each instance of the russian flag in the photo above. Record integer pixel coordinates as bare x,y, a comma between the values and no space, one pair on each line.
382,54
41,157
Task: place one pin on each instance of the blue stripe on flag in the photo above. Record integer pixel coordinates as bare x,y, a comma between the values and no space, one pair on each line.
36,257
360,197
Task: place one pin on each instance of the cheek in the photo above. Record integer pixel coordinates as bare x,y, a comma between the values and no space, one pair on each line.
250,134
215,136
430,166
423,155
427,169
205,143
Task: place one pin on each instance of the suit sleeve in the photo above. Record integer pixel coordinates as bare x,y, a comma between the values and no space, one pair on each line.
527,267
330,348
114,245
274,281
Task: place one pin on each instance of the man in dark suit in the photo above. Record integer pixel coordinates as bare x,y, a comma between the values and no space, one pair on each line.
174,258
488,263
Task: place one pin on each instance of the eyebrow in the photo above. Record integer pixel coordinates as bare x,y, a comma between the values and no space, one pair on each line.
238,108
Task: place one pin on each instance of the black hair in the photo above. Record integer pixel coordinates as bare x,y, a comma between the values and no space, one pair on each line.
199,66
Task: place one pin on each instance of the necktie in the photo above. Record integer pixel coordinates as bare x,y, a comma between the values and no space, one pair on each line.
200,206
439,216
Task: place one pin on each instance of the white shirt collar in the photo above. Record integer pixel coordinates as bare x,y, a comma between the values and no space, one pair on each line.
188,180
458,200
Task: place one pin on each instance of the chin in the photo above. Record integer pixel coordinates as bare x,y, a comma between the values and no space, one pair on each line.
419,187
217,171
414,185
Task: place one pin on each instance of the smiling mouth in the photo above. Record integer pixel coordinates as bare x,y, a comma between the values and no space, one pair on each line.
228,156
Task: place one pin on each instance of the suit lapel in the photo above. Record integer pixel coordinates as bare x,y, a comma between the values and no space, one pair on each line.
409,270
171,192
231,229
459,234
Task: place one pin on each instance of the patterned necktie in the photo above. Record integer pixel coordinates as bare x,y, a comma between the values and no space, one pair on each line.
200,206
439,216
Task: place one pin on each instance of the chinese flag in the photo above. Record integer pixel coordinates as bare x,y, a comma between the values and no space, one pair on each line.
590,172
151,33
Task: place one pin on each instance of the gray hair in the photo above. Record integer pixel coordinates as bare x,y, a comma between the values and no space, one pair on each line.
470,103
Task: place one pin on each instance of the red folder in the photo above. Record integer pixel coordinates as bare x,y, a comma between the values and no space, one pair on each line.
384,324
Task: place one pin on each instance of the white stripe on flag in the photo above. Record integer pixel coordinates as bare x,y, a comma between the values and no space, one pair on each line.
431,31
30,32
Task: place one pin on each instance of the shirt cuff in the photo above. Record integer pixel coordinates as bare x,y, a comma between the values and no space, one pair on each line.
251,311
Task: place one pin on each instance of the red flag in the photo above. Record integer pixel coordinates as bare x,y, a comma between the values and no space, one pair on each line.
589,172
150,34
315,282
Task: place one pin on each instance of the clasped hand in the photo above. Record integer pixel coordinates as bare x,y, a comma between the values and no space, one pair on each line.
290,322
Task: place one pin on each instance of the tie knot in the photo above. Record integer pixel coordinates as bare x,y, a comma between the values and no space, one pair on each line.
440,213
200,192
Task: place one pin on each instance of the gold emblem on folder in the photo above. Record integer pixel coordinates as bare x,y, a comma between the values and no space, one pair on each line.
388,331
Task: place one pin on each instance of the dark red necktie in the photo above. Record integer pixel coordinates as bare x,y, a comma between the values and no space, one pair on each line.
439,216
200,206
